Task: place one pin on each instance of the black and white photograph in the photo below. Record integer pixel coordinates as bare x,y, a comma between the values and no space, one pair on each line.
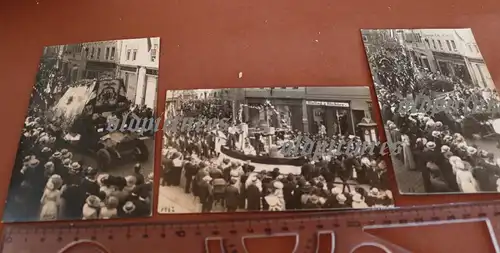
71,164
451,149
240,163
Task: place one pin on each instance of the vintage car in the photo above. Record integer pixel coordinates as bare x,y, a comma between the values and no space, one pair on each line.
479,123
120,146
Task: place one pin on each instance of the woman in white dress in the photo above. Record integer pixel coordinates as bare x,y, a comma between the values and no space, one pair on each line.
408,160
276,200
50,202
465,180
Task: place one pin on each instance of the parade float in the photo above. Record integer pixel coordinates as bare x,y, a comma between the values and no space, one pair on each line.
259,144
81,112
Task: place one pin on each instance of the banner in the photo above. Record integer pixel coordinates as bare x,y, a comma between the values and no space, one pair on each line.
109,92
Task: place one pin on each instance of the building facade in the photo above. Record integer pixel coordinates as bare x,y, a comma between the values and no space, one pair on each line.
90,60
339,109
452,52
138,67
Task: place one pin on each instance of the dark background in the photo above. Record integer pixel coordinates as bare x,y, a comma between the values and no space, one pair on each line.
206,43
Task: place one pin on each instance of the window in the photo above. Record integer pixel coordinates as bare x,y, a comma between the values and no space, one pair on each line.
112,56
92,53
134,55
87,52
440,45
428,44
98,53
107,53
125,78
128,54
453,45
448,45
434,44
153,52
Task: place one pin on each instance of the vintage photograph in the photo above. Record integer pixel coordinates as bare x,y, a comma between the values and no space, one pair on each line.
70,164
454,149
240,164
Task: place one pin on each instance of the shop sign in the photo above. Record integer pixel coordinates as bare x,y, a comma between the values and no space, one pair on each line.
328,103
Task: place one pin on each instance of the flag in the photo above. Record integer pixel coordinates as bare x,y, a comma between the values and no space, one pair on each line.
149,44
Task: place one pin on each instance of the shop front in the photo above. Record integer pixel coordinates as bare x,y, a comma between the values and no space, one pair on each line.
100,70
335,116
453,65
279,113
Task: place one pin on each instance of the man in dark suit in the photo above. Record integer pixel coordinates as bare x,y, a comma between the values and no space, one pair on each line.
232,196
253,195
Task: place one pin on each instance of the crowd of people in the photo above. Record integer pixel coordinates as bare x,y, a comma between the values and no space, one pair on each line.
52,181
193,160
439,145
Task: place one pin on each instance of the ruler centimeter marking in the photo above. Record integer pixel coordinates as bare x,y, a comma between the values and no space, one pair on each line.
345,229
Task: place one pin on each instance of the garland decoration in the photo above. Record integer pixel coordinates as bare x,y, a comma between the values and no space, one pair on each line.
265,106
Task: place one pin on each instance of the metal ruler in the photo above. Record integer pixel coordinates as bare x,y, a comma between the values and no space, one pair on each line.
318,232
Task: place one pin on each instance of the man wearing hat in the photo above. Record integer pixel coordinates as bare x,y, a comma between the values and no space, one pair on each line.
472,157
447,169
89,184
289,187
72,200
74,173
307,169
267,186
190,170
253,194
142,203
332,201
138,174
198,179
205,194
128,210
231,196
430,159
56,158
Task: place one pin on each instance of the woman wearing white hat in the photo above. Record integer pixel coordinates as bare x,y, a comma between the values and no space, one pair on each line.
50,202
358,201
276,199
465,180
408,160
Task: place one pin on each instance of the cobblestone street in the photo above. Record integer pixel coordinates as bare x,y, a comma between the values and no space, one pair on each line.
408,181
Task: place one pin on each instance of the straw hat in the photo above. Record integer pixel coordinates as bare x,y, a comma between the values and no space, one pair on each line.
278,185
336,190
129,207
374,191
430,145
75,166
357,197
33,162
341,198
471,150
93,201
445,148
